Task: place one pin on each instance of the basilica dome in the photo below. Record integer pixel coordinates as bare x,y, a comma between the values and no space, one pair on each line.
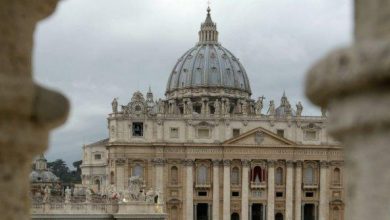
208,65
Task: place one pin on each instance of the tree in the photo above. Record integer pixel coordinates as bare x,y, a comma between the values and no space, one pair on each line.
62,171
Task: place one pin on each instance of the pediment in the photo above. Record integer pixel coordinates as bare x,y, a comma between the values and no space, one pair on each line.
259,136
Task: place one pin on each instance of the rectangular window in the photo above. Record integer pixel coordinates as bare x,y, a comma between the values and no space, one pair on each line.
235,194
309,194
98,156
279,194
236,132
202,193
280,132
311,135
174,133
138,129
203,133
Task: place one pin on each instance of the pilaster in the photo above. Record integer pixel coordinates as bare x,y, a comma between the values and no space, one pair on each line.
245,190
298,190
226,189
215,206
289,190
189,190
324,188
271,190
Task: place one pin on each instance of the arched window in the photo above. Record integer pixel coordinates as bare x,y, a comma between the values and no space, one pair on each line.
258,175
97,183
235,216
138,170
309,175
279,176
112,177
279,216
174,175
336,176
174,213
202,175
235,177
336,213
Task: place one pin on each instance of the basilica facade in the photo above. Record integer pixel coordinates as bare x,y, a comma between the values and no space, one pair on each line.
212,151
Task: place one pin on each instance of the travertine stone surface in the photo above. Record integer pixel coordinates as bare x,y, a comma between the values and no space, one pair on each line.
298,190
245,190
353,83
226,189
27,111
289,190
324,200
216,164
271,190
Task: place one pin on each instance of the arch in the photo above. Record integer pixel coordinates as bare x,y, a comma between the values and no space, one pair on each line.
235,177
336,176
279,176
174,175
97,182
235,216
174,213
112,177
138,170
258,174
202,175
309,175
279,216
336,213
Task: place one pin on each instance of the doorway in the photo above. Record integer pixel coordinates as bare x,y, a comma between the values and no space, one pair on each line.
257,211
235,216
279,216
309,212
202,211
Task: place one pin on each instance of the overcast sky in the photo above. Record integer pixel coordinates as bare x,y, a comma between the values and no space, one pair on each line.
95,50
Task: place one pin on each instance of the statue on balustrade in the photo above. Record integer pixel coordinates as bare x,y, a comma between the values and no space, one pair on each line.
135,186
299,109
271,109
150,195
88,195
114,105
68,194
161,106
259,105
46,194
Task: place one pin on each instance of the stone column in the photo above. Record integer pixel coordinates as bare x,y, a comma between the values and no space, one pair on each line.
245,189
27,111
289,190
298,190
352,83
226,189
189,193
159,178
271,190
215,206
324,201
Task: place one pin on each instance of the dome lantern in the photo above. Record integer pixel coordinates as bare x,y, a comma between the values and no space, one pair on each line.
208,33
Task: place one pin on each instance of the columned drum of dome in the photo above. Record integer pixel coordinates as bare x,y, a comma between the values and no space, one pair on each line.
208,69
